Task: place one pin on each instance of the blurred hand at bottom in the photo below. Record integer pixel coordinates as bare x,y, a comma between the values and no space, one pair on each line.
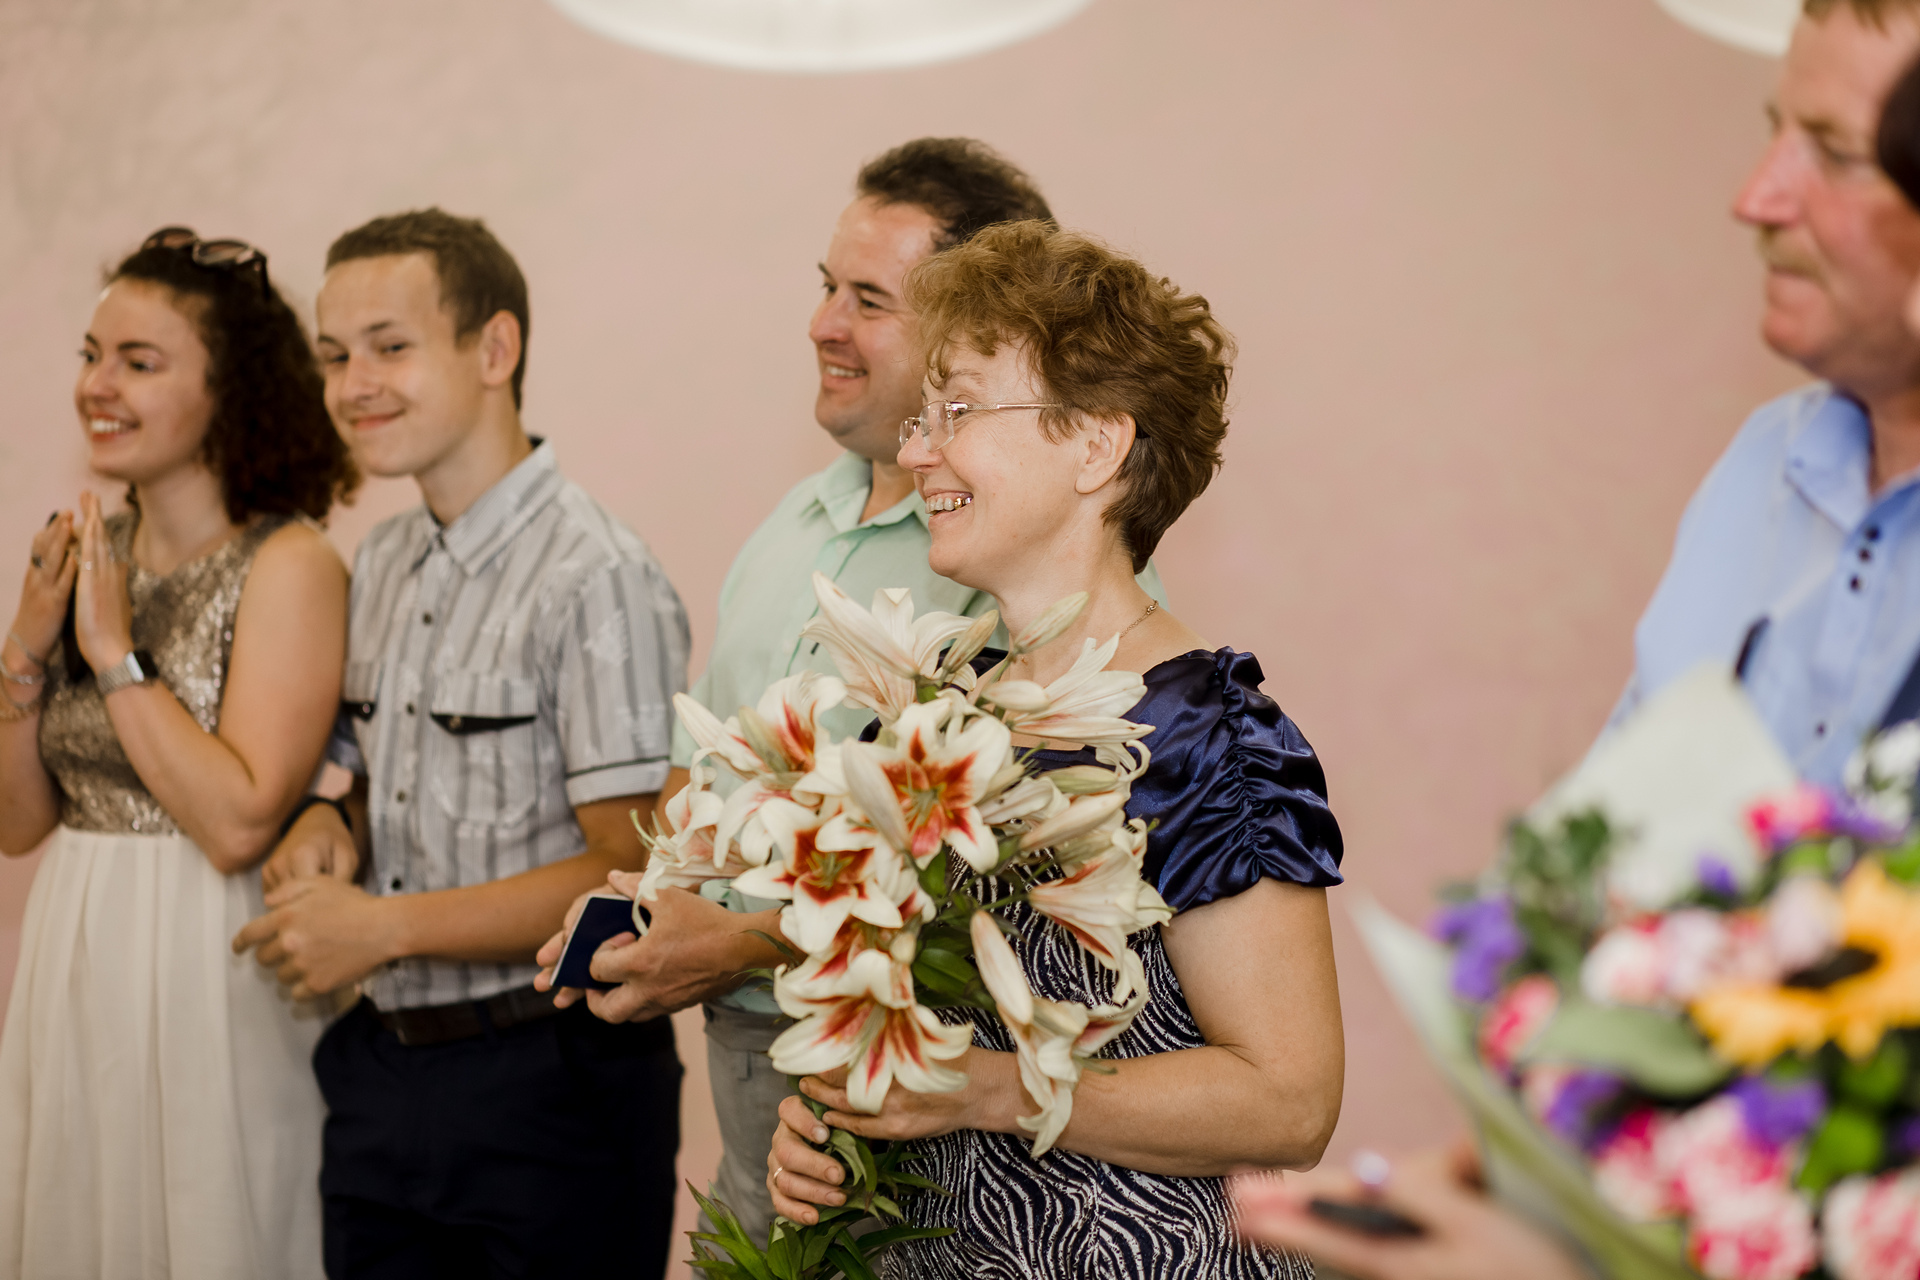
1468,1236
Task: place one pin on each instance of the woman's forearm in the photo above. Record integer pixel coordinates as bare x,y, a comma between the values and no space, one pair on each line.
29,803
200,780
1264,1091
1199,1113
1191,1113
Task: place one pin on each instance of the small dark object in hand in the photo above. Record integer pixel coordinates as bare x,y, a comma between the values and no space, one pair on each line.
1367,1219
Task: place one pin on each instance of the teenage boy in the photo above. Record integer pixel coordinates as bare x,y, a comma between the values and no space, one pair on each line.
862,524
512,655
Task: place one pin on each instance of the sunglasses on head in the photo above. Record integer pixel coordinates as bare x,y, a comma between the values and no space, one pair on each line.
218,255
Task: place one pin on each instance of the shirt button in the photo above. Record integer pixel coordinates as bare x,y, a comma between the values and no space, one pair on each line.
426,619
409,708
1853,583
394,884
400,797
1820,730
1865,555
1873,533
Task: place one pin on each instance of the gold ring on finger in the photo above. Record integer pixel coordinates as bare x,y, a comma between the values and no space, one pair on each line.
777,1171
87,565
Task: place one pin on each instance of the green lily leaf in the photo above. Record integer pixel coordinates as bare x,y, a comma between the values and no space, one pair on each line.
1661,1053
748,1261
851,1263
955,967
874,1241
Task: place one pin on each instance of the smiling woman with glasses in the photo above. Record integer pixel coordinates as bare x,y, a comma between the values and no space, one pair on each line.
1076,408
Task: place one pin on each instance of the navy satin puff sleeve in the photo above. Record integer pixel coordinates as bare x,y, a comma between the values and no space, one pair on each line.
1237,793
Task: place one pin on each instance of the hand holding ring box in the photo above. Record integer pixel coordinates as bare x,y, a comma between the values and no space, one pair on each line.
606,915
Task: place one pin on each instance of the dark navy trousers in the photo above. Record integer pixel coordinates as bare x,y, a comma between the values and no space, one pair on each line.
546,1149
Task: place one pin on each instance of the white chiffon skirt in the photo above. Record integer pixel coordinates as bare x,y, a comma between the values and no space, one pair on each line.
158,1112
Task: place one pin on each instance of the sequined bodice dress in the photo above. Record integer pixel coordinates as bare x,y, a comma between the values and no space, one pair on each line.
158,1116
1239,796
185,619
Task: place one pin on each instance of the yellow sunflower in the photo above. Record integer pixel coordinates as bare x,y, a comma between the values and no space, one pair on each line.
1752,1023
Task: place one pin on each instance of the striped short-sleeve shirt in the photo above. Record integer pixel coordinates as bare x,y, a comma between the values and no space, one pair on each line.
501,670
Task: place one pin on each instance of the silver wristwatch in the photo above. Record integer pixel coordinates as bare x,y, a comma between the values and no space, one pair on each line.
136,668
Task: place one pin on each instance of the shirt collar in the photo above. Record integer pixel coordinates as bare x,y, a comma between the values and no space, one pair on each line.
1829,460
478,533
841,492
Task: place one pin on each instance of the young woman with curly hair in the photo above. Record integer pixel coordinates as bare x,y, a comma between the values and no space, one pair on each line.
166,690
1077,407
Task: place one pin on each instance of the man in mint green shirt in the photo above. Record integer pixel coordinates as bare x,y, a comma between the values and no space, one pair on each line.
862,524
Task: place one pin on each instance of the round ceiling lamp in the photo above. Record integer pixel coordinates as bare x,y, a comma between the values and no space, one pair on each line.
1758,26
819,35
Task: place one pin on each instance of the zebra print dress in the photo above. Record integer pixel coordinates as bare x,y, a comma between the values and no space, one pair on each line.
1239,796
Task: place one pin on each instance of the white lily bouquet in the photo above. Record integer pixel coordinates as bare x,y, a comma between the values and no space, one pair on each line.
895,858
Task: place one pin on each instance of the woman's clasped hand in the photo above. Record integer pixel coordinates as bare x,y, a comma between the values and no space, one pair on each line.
801,1176
34,638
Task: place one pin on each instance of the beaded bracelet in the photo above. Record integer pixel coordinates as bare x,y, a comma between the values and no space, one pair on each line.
32,657
12,712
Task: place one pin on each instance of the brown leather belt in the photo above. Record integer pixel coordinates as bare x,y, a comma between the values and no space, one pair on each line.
444,1023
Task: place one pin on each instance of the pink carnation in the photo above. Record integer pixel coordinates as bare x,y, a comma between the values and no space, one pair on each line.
1793,815
1872,1227
1665,961
1804,922
1745,1221
1761,1235
1715,1159
1626,966
1515,1018
1627,1174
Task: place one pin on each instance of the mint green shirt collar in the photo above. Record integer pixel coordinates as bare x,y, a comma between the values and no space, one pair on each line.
841,493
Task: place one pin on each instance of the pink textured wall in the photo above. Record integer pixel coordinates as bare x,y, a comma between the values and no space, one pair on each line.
1494,320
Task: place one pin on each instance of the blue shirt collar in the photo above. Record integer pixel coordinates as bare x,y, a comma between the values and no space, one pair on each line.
1830,458
1830,461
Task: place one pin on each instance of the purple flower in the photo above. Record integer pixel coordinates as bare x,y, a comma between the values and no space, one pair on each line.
1571,1113
1779,1113
1851,818
1486,941
1904,1140
1716,877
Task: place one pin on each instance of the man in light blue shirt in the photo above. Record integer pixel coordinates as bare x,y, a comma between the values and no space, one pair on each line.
1798,560
861,523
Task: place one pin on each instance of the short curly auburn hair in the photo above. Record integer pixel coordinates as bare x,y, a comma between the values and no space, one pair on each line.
270,440
1106,337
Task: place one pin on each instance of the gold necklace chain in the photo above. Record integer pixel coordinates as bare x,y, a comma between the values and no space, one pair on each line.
1027,658
1151,606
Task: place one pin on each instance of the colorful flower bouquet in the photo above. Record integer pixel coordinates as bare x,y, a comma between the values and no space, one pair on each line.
893,857
1714,1064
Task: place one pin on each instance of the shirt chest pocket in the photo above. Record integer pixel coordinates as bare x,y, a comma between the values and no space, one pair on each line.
483,757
